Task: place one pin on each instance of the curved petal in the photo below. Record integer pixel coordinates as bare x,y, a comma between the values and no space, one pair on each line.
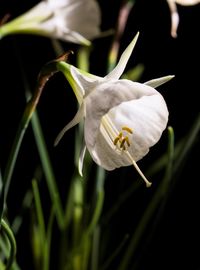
77,118
119,69
81,16
159,81
146,116
85,82
81,160
108,96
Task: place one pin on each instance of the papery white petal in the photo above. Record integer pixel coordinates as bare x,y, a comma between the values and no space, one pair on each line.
159,81
119,69
77,118
81,160
86,82
147,116
68,20
84,17
39,12
109,95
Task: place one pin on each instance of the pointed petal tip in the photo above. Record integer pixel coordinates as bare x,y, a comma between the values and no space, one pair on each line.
80,169
81,160
159,81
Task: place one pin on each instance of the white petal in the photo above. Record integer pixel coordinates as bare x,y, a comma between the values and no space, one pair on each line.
119,69
159,81
106,96
84,17
81,160
77,118
85,82
37,13
126,102
147,116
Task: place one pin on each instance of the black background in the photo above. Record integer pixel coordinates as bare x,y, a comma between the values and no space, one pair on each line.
175,242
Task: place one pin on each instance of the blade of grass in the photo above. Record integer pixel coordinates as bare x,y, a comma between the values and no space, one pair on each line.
47,247
13,248
188,144
5,249
153,204
39,213
46,72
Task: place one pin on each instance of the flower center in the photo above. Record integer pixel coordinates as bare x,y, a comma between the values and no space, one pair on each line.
122,140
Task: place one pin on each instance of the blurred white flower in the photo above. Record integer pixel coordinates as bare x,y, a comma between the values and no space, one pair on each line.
75,21
174,12
123,119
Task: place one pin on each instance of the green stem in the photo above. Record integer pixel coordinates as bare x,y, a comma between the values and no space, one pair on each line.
13,248
47,71
160,192
39,213
47,167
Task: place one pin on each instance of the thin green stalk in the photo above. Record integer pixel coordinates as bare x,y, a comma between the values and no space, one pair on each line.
13,248
134,242
47,71
5,250
100,200
157,166
44,157
47,247
39,213
114,254
188,143
47,167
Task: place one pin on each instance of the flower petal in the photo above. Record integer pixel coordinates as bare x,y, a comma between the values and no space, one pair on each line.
85,82
84,17
81,160
77,118
130,101
159,81
146,116
119,69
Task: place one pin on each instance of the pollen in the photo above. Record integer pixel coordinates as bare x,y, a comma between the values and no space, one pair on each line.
122,140
129,130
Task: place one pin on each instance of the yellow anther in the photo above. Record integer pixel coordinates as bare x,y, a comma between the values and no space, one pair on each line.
127,140
120,135
129,130
116,140
122,143
121,139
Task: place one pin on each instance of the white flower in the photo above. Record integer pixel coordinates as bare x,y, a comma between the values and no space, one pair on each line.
75,21
123,119
174,12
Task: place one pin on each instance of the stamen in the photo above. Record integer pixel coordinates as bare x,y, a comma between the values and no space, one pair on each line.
129,130
119,138
148,184
127,141
122,143
116,140
123,139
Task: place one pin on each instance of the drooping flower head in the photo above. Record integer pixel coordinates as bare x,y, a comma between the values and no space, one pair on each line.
75,21
122,118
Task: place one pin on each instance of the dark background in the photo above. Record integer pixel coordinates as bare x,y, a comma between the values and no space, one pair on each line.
175,241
